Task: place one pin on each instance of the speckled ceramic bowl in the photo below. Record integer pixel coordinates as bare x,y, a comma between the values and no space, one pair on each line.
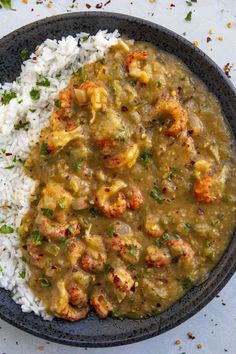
92,331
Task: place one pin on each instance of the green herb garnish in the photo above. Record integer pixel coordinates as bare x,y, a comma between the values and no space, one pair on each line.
35,94
156,195
57,103
47,212
188,283
23,258
188,225
44,149
44,282
189,3
1,268
94,211
61,204
38,237
85,38
7,97
5,229
165,236
131,267
132,250
21,125
9,167
6,4
43,82
158,84
107,267
110,231
188,16
22,274
145,157
24,54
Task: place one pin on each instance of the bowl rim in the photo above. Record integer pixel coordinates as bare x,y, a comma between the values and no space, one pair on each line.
227,272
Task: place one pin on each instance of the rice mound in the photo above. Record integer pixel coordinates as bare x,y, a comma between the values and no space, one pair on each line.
56,61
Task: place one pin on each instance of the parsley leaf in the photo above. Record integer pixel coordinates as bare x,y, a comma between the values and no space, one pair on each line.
156,195
24,54
158,84
47,212
61,204
188,283
85,38
35,95
57,103
107,267
5,229
145,157
189,3
22,274
6,4
38,237
7,97
188,16
132,250
94,211
44,149
44,282
21,125
110,231
43,82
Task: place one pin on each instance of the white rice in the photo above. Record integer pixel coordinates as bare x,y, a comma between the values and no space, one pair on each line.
55,60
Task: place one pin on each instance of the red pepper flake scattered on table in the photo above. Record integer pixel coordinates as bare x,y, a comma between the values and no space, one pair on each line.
208,39
108,2
99,5
227,69
88,6
172,5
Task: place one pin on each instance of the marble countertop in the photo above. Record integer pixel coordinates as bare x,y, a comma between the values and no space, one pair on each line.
214,327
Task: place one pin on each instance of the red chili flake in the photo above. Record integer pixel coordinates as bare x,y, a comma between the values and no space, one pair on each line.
124,109
200,211
99,6
190,335
34,58
172,5
8,154
88,6
108,2
227,69
209,39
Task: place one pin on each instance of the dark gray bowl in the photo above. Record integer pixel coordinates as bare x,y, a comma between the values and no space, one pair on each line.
93,332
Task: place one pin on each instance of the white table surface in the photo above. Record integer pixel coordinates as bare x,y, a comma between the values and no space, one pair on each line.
215,325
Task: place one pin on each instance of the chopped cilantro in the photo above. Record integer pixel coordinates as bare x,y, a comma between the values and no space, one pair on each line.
131,267
132,250
6,4
38,237
24,54
188,16
61,204
44,282
77,165
85,38
9,167
159,84
21,125
107,267
47,212
158,242
7,97
165,236
145,157
110,231
188,225
93,211
44,149
32,110
57,103
189,3
156,195
35,94
188,283
70,229
23,258
43,82
83,78
5,229
78,72
1,268
22,274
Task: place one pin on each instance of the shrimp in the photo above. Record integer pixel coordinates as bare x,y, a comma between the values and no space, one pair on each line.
122,281
172,109
54,231
181,249
125,158
101,303
156,257
35,253
152,226
66,97
95,256
103,195
127,247
75,249
63,308
77,296
93,94
134,66
57,140
205,190
134,198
